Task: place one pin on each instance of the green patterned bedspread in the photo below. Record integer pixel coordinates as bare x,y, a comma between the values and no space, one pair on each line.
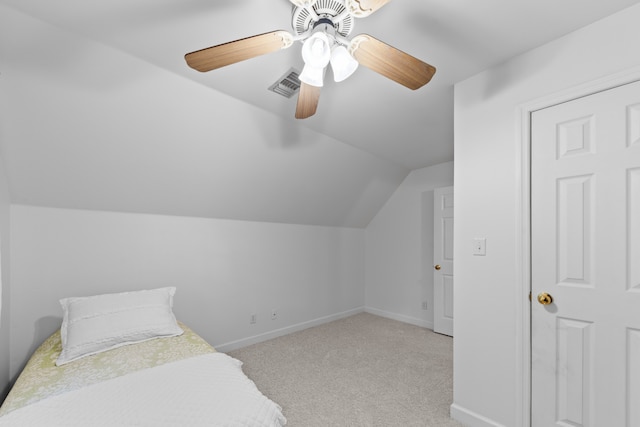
41,377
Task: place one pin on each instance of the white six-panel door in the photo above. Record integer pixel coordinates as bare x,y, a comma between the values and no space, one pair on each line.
585,213
443,261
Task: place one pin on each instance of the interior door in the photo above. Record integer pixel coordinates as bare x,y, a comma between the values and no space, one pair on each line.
585,213
443,261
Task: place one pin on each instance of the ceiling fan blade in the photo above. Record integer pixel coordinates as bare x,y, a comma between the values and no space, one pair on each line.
391,62
364,8
229,53
307,101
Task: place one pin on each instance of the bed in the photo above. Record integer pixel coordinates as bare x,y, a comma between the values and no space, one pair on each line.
133,367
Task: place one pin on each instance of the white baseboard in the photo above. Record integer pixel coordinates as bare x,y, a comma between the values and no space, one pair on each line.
470,418
234,345
400,317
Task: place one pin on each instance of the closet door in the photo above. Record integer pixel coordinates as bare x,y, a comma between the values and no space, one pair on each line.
585,212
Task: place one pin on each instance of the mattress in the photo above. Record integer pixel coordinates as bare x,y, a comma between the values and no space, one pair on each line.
172,381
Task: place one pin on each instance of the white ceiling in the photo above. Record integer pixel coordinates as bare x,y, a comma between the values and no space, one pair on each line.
398,129
414,129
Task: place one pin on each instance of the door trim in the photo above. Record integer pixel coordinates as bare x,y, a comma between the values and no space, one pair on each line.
523,223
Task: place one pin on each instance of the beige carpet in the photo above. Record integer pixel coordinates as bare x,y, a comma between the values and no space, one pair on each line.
363,370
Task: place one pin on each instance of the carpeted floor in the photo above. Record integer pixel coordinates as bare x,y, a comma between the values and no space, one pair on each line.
363,370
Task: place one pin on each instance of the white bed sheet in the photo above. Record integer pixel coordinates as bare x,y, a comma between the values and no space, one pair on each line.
207,390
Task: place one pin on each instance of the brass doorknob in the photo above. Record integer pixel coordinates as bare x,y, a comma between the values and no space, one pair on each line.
437,267
544,298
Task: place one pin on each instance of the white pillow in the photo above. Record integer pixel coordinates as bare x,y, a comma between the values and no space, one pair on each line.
95,324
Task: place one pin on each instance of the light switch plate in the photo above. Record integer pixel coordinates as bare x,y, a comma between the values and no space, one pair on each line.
480,246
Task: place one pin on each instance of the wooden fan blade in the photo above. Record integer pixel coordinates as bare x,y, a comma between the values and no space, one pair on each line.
391,62
364,8
307,101
229,53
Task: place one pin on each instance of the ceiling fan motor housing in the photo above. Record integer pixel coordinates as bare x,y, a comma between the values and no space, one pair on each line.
326,10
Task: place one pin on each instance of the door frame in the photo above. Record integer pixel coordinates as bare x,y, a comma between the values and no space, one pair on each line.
523,223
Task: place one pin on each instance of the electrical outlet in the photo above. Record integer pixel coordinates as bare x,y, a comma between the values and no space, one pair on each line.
253,319
425,306
480,246
274,314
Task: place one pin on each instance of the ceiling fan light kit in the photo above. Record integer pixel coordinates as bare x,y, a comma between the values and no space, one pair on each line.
316,51
323,27
322,48
312,76
343,64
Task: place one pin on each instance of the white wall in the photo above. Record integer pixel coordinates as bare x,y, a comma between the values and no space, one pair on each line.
5,295
487,383
224,270
116,133
399,249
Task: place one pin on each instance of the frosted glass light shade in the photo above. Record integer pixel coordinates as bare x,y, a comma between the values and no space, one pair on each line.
316,51
312,76
342,63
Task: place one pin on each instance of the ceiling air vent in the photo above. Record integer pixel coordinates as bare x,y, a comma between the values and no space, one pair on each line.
288,84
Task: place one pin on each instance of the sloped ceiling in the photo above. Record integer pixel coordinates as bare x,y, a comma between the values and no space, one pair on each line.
99,110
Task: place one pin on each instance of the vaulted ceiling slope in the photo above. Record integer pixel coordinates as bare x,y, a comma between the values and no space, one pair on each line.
98,109
87,126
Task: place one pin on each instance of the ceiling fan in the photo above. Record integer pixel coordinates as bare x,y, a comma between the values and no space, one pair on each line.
323,26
